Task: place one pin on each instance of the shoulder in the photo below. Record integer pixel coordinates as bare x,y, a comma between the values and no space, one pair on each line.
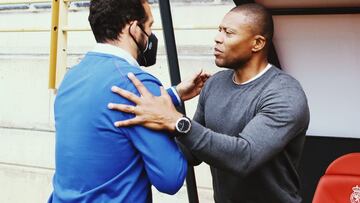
146,77
284,91
282,80
283,87
121,68
285,96
148,80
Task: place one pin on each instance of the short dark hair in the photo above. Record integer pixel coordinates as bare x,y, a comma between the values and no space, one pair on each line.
108,17
259,17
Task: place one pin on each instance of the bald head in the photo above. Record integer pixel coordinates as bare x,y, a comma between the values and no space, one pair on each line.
258,18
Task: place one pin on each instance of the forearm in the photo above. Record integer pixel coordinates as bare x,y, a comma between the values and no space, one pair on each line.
190,157
219,150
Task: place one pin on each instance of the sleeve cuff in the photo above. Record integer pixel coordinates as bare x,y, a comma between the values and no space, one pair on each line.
174,96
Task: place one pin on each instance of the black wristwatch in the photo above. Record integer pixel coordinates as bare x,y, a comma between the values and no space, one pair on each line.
182,126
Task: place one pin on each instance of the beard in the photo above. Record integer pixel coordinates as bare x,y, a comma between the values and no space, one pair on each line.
232,64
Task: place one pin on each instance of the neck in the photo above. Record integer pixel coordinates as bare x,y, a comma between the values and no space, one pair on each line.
249,70
124,44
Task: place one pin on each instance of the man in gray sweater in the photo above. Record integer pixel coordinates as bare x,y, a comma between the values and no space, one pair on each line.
251,119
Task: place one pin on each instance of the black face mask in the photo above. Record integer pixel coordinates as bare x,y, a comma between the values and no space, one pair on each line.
147,56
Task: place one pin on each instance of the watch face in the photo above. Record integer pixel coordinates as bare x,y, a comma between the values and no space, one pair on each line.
183,125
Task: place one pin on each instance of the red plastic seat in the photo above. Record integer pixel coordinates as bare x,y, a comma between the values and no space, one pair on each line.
341,181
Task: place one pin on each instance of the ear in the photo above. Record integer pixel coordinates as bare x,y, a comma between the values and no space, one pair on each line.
133,27
258,43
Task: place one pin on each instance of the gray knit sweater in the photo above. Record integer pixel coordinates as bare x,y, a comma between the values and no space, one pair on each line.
252,137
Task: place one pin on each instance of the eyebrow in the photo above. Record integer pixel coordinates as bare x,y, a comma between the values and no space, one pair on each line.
227,28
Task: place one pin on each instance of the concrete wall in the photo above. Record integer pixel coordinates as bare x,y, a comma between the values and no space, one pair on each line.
26,105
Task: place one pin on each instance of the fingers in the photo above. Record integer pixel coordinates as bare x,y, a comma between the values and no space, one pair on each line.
133,121
127,109
200,73
205,76
123,107
126,94
201,78
195,77
138,84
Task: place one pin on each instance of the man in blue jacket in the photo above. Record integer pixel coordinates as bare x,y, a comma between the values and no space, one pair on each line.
96,161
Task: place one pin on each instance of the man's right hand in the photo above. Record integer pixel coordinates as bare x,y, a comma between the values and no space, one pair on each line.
157,113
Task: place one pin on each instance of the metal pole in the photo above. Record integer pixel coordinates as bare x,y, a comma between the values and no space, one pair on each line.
62,42
170,44
53,42
173,63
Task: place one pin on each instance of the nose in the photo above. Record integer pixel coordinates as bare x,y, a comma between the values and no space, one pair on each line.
218,38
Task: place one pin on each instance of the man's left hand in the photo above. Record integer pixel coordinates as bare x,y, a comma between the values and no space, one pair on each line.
191,87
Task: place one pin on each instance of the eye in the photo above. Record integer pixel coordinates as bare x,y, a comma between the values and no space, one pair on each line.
228,32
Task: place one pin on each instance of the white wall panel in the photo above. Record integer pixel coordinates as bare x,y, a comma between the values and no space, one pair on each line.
23,184
27,148
25,100
322,52
308,3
